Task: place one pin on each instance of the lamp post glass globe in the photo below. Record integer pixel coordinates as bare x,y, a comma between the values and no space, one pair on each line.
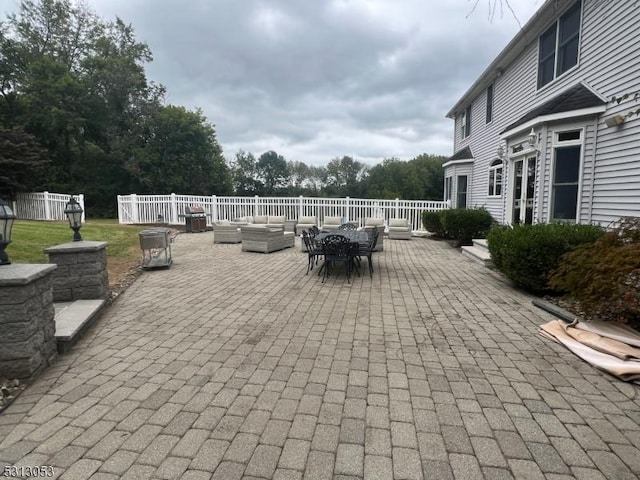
6,223
73,211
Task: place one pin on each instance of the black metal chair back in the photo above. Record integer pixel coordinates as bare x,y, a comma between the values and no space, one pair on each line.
336,248
348,226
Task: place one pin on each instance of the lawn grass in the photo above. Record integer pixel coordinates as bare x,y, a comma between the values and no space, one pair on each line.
29,238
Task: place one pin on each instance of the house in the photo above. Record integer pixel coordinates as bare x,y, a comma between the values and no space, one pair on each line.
538,137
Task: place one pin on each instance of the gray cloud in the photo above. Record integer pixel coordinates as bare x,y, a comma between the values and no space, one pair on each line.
317,79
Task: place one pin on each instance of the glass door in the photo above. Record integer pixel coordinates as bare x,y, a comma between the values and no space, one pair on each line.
524,186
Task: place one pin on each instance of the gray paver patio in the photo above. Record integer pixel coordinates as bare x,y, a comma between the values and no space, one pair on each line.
235,364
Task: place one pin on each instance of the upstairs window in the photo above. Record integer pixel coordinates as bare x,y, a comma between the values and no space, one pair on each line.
465,121
495,178
558,46
489,103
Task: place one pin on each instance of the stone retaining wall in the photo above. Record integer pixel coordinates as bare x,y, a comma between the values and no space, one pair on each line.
28,342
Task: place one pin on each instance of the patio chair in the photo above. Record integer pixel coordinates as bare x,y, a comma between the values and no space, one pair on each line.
336,248
226,232
370,249
313,251
399,229
305,223
331,224
377,223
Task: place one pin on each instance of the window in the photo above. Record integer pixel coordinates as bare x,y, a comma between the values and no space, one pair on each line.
495,178
461,194
447,189
558,46
465,122
566,175
489,103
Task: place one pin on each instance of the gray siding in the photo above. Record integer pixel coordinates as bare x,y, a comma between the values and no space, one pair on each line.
609,63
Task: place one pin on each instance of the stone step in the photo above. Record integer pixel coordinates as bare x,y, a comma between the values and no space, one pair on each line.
478,254
481,243
72,320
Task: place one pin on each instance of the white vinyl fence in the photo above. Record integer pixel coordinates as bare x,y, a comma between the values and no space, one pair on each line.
144,209
44,206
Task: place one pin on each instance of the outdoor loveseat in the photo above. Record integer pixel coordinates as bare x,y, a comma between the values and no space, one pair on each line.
265,238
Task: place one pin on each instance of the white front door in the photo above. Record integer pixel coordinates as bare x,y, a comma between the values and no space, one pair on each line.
523,190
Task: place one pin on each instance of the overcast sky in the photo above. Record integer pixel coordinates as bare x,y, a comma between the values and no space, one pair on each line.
318,79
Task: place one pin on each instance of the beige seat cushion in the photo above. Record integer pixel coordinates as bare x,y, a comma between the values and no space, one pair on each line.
308,220
333,221
398,222
369,221
277,219
261,219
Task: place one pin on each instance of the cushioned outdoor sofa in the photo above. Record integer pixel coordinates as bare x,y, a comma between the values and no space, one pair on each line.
265,238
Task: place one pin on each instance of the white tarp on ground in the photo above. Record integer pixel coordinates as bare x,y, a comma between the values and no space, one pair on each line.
594,343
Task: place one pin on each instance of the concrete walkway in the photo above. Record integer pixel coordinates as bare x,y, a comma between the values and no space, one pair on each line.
237,365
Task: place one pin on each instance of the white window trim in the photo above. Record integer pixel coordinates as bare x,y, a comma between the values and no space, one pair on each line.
568,143
555,63
492,171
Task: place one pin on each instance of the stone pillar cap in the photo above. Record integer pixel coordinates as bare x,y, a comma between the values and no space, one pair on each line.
81,246
23,273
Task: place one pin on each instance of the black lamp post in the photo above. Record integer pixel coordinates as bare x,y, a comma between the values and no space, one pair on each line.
6,223
73,211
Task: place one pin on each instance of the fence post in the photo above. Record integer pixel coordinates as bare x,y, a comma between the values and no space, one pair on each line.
255,207
214,208
47,207
301,208
134,208
174,209
84,212
397,207
346,210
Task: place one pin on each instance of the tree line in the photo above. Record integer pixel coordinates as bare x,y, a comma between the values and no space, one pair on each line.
271,174
78,114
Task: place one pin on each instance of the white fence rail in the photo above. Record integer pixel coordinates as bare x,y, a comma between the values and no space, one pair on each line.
44,206
144,209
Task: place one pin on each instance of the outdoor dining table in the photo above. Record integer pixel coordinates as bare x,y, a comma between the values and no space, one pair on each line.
360,237
355,237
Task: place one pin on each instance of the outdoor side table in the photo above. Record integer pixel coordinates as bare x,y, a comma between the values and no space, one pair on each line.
156,248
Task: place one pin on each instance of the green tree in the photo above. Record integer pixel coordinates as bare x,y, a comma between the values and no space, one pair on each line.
244,174
181,155
344,176
273,171
21,161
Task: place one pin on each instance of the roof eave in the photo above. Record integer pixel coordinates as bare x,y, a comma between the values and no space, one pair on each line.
513,49
553,117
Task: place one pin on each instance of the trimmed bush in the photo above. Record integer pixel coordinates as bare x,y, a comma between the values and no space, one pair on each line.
605,276
527,254
465,224
432,223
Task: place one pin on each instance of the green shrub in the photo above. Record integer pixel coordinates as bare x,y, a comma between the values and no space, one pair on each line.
432,223
465,224
527,254
605,276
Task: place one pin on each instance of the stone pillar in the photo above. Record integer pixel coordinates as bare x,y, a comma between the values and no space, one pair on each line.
81,272
27,342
